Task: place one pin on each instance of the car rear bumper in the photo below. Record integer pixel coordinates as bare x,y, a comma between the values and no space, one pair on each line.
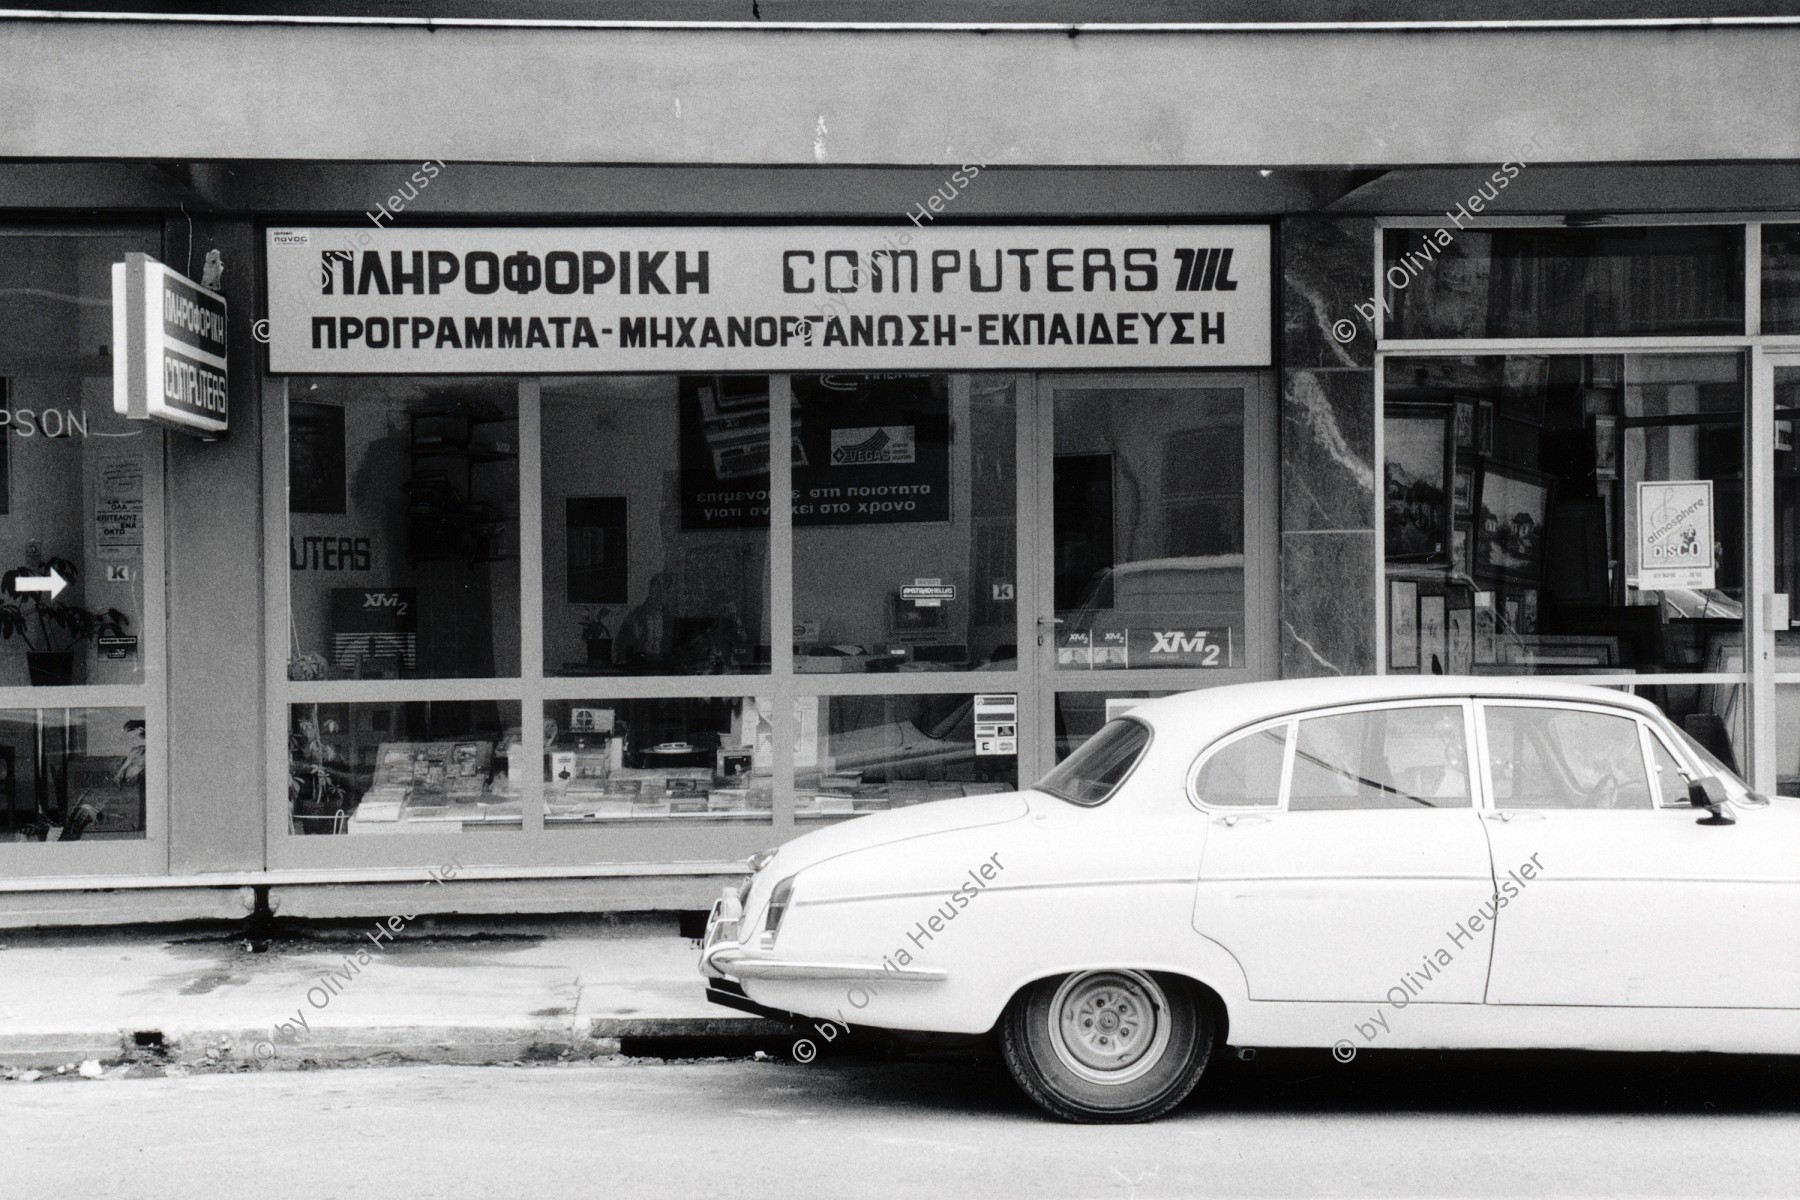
724,957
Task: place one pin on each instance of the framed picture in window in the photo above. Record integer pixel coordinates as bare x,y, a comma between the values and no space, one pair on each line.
1606,448
1511,506
1462,490
1419,451
1403,625
1465,424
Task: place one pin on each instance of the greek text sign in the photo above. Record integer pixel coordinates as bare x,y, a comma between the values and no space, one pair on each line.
169,346
790,298
1675,535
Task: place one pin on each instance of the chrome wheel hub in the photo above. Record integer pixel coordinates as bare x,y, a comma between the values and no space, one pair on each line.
1109,1027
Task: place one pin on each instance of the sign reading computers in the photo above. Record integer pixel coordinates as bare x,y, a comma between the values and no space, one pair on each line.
168,348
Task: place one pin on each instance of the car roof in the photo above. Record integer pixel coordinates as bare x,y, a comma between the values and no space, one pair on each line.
1212,711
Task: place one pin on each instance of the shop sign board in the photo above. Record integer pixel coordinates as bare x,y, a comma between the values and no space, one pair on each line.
1675,535
775,298
169,347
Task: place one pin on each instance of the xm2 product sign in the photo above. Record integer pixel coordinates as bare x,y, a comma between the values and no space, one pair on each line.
782,298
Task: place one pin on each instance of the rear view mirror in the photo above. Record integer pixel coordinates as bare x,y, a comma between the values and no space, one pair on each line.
1709,793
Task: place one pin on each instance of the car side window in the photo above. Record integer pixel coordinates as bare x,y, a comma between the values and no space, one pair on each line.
1671,782
1246,771
1381,758
1565,758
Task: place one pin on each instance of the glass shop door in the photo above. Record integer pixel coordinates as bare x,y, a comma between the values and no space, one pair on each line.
1157,561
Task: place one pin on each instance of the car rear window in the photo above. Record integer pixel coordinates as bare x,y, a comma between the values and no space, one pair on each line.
1094,772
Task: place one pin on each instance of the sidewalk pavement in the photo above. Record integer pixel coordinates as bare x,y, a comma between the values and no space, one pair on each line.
443,991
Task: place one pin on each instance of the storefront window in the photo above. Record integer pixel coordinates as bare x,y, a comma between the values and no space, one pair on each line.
701,760
1568,514
72,774
656,525
904,523
1781,278
403,528
1148,506
860,754
1659,280
79,551
414,767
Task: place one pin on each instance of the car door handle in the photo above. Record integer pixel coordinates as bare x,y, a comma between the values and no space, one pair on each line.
1235,818
1508,817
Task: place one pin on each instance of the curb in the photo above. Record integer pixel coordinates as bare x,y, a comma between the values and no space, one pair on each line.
449,1044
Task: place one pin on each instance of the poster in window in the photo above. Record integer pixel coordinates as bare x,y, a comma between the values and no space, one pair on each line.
595,544
1675,534
1462,641
1419,452
1487,648
316,474
868,450
1434,636
375,631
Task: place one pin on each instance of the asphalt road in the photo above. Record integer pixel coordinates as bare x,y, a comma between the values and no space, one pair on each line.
1288,1124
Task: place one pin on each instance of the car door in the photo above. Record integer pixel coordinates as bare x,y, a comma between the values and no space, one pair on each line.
1342,848
1615,894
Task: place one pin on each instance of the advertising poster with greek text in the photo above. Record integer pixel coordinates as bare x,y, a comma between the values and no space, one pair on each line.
867,450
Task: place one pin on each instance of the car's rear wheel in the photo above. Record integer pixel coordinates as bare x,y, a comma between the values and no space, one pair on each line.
1107,1046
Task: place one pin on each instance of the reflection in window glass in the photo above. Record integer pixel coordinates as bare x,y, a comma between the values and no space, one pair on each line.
412,767
1382,758
1248,771
1512,497
1080,715
920,466
1091,774
1148,512
656,525
1565,758
403,528
1548,283
705,760
72,774
858,754
71,470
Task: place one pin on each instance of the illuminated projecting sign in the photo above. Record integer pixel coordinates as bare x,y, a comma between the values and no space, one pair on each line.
168,348
789,298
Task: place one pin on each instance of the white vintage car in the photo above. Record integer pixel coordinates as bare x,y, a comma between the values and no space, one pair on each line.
1394,862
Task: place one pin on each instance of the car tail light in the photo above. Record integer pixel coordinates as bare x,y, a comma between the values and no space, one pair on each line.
778,906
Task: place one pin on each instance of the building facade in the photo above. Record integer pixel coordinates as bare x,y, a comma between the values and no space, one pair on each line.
1110,359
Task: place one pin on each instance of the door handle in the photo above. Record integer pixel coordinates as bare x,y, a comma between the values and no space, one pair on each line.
1231,821
1508,817
1497,816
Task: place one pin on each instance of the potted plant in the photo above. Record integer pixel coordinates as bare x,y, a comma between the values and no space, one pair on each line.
598,637
49,626
313,789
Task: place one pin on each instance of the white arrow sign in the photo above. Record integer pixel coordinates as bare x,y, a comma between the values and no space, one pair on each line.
53,583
